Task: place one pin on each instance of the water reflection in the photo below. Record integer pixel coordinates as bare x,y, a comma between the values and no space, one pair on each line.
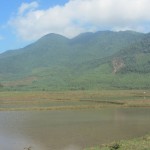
70,130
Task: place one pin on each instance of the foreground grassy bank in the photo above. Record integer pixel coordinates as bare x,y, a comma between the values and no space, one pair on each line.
142,143
41,100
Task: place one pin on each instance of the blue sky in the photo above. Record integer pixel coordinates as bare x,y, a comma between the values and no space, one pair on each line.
8,38
24,21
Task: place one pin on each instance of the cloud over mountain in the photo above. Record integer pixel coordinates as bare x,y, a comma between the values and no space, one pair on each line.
76,16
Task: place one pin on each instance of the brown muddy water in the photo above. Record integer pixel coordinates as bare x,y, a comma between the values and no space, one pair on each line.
71,129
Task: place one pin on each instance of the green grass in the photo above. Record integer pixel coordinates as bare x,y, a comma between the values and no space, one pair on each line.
142,143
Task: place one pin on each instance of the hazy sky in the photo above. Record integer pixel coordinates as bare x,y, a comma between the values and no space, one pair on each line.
24,21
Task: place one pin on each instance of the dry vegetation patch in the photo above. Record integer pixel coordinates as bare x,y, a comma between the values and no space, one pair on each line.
73,99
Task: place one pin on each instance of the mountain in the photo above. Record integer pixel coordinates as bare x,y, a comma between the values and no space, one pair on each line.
137,56
104,59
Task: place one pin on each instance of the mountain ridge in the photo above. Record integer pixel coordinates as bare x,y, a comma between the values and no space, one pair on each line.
87,61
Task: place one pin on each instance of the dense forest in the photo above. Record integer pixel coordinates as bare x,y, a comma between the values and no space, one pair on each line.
89,61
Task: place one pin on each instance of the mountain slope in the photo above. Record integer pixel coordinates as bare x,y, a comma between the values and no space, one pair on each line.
137,57
55,49
104,59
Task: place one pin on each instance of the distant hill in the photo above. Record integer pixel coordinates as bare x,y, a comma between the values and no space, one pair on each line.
89,61
137,56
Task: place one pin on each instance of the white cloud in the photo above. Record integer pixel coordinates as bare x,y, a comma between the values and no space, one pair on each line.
78,16
27,6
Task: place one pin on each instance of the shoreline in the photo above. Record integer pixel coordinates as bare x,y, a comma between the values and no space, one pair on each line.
139,143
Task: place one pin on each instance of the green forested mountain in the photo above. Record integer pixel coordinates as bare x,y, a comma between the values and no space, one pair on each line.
137,56
104,59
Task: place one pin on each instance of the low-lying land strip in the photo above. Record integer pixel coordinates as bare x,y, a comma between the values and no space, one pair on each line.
73,99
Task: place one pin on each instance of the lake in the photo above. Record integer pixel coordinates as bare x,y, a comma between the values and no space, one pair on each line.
70,129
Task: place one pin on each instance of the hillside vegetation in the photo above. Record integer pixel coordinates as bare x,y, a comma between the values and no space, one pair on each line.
90,61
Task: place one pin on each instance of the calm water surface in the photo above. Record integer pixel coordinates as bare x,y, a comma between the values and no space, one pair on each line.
71,130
